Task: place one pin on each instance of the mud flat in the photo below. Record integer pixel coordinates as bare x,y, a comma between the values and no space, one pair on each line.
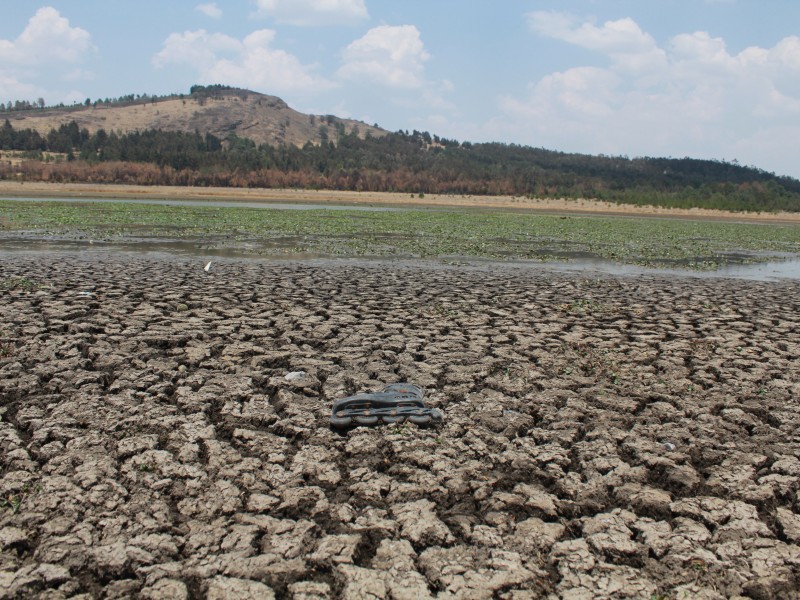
631,437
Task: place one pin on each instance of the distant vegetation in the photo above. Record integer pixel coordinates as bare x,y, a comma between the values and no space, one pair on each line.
400,162
197,91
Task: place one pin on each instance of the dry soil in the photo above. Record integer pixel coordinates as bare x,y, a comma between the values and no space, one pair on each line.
603,438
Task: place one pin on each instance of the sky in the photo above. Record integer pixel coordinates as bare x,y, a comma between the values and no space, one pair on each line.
716,79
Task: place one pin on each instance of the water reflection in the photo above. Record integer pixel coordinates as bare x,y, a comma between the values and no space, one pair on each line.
296,248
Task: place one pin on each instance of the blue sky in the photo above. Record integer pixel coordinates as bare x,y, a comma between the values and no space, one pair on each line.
703,78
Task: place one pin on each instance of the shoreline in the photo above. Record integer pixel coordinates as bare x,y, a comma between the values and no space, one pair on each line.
46,190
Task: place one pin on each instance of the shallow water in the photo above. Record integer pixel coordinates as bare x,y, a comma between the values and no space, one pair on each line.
766,271
216,203
289,248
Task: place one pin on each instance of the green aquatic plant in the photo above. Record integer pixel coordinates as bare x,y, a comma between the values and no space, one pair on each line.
416,233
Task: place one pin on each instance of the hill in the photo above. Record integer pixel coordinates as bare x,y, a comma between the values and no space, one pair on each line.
223,137
218,110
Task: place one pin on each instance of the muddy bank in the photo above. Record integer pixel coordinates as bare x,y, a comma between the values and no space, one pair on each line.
603,437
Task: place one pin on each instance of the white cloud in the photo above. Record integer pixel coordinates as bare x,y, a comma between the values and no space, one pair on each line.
47,37
313,12
250,63
210,10
44,47
689,97
15,89
393,56
622,40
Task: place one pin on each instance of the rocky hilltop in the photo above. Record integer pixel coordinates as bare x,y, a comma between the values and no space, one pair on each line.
264,119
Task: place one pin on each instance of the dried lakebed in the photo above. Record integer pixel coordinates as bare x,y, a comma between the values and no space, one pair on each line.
603,438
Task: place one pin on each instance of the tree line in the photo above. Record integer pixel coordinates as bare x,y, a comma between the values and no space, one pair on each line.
413,162
197,91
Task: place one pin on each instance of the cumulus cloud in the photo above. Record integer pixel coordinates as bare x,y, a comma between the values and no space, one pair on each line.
623,40
210,10
46,45
252,62
48,37
313,12
690,96
393,56
14,89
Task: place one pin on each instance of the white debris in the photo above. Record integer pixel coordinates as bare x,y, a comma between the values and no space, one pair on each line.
295,376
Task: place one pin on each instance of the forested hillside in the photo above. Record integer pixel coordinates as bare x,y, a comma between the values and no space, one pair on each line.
416,163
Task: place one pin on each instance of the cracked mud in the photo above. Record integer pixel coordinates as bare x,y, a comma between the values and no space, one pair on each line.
623,437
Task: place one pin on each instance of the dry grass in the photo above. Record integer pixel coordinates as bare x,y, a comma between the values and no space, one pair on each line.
264,119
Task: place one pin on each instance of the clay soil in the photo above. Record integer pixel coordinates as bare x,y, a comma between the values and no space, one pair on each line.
603,438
